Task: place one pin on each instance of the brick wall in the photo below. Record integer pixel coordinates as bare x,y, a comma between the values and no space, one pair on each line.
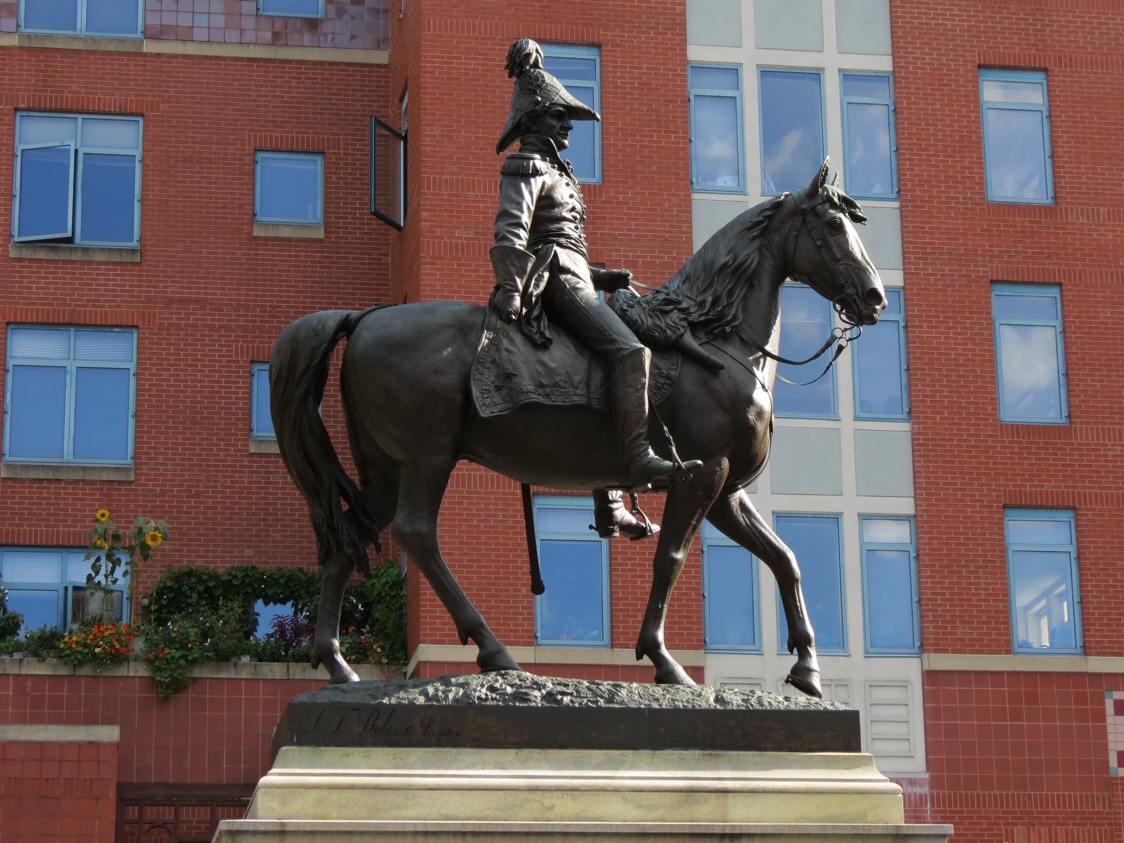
208,297
60,791
1016,757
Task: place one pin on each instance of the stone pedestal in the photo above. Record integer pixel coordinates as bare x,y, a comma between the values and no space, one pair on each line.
516,758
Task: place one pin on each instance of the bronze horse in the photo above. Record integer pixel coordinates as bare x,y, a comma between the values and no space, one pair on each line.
410,418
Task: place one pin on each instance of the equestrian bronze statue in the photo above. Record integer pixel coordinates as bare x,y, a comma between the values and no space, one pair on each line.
592,408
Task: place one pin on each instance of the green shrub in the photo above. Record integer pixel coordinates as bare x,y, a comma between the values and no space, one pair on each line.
43,642
10,623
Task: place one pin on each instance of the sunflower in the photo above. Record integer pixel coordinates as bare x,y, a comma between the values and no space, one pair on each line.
101,515
101,544
154,538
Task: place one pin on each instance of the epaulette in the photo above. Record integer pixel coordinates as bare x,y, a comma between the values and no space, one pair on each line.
524,164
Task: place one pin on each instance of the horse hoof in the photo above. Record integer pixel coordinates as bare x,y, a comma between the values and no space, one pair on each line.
807,683
342,675
673,676
501,660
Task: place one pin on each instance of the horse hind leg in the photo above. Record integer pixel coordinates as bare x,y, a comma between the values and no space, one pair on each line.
421,490
334,574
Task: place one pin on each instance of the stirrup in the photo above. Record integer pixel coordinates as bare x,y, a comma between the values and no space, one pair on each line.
640,528
654,472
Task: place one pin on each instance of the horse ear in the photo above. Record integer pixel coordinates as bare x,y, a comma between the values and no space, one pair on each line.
819,181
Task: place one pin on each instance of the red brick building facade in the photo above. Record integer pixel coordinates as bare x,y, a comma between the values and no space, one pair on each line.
1015,745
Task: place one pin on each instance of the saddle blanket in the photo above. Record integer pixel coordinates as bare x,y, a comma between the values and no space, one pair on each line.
510,370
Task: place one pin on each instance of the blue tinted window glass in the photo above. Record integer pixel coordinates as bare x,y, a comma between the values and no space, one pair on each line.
263,420
571,608
582,151
104,346
815,541
717,157
1030,531
889,594
297,8
37,415
577,69
1025,307
731,602
289,188
879,370
564,520
792,136
39,608
105,133
44,192
39,343
714,78
108,198
101,414
43,129
266,615
32,566
1017,160
869,168
571,68
866,85
1016,136
1043,600
112,17
806,321
51,15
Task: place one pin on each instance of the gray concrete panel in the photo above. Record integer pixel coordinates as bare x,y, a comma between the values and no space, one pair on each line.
788,25
709,215
884,463
882,236
862,26
806,461
714,23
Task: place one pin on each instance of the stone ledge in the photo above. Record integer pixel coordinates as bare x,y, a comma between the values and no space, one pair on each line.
407,831
264,446
548,655
137,668
294,231
194,48
35,471
998,663
59,733
64,252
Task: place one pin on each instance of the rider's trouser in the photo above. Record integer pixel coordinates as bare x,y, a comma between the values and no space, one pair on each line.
570,301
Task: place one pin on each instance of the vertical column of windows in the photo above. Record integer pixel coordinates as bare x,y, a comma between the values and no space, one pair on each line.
579,70
717,139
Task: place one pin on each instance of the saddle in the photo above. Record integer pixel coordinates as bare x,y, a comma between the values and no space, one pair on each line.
510,370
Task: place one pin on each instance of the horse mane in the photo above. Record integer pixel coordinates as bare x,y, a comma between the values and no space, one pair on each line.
708,290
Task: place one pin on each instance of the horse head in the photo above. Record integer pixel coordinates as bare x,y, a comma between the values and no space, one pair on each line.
827,254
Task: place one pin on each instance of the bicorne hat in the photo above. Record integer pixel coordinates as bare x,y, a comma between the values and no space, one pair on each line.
534,87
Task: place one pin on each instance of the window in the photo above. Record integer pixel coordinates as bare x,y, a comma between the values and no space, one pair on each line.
70,395
1016,134
869,147
104,18
574,611
881,385
579,70
806,322
792,129
717,141
1029,353
289,187
48,586
388,172
815,539
730,616
292,8
77,179
261,422
889,586
1042,577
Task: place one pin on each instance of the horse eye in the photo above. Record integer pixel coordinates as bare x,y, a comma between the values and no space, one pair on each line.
835,223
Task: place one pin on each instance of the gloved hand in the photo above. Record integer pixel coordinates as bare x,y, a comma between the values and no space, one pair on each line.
609,280
506,304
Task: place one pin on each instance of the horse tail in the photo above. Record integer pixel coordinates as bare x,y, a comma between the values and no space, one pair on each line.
298,373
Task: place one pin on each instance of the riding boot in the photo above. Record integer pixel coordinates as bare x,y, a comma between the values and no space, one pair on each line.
629,395
611,519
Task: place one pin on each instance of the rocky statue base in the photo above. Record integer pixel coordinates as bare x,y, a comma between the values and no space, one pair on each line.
515,757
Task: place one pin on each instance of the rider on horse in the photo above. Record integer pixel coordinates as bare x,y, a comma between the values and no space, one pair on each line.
541,268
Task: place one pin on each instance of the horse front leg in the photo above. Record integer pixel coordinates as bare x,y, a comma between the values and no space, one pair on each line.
737,518
687,505
334,574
